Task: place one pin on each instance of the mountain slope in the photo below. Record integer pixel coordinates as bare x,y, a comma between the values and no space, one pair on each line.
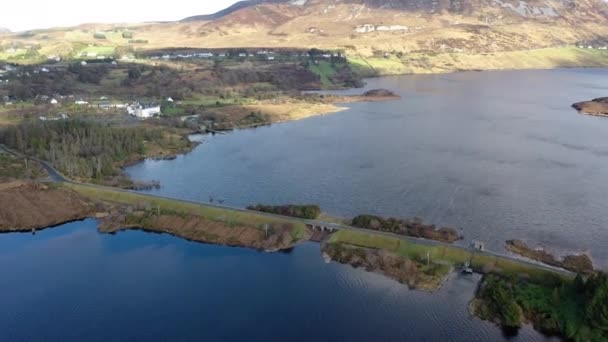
428,35
410,25
235,7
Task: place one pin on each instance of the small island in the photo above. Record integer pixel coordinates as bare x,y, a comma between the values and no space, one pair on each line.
598,107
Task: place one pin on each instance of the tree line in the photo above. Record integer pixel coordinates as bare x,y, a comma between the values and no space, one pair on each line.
309,211
414,227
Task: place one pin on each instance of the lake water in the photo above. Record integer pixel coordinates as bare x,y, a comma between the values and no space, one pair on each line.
71,283
500,155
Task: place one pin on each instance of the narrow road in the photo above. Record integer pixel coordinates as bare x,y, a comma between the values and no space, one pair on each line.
57,177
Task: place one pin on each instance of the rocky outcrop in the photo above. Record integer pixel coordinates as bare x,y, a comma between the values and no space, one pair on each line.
380,93
597,106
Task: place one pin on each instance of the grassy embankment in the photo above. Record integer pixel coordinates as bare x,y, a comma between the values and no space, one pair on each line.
428,63
224,216
443,255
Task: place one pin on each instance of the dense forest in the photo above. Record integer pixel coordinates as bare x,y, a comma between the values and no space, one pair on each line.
577,310
309,212
84,149
415,227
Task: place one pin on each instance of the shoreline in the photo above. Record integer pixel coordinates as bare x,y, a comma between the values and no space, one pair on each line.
102,202
332,106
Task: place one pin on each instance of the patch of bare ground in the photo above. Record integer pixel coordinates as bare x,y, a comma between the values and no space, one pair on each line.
272,237
26,205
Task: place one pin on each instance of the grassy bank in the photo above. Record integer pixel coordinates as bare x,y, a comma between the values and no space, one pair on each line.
444,254
225,216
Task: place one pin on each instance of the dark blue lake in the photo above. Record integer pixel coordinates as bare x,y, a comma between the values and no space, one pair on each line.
71,283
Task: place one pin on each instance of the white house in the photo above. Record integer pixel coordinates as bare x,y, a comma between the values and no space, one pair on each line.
365,28
144,113
392,28
169,99
81,102
54,102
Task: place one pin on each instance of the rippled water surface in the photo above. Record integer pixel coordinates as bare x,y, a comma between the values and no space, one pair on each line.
71,283
500,155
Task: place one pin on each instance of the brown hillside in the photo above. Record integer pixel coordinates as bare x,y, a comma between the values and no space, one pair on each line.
365,27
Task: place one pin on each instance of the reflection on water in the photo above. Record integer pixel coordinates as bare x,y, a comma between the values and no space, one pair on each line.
500,155
74,284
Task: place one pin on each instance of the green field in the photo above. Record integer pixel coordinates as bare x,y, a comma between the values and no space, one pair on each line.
18,53
325,70
100,50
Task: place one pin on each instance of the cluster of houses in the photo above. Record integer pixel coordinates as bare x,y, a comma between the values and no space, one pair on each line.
367,28
137,110
62,116
269,55
94,55
593,47
143,112
261,54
